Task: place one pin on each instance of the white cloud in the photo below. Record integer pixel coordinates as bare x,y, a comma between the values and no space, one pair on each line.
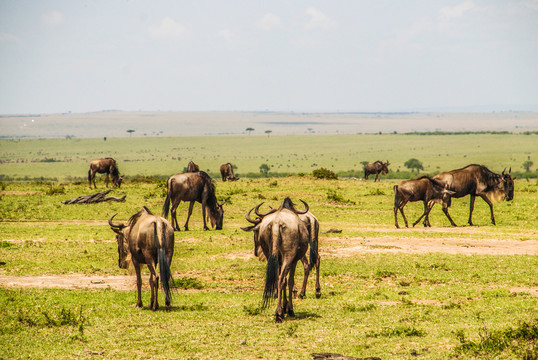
168,28
9,38
457,11
269,22
318,20
53,18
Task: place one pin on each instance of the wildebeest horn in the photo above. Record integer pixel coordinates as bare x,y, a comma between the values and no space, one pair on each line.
305,210
247,216
224,202
504,171
120,226
510,170
262,215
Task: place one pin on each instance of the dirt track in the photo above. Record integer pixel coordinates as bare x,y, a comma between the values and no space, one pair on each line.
333,247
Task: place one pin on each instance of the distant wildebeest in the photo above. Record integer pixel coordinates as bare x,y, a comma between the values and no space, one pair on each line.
423,189
192,167
147,239
193,187
478,180
313,232
104,166
227,172
376,168
283,238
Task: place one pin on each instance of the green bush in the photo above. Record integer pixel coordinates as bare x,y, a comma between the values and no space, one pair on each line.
323,173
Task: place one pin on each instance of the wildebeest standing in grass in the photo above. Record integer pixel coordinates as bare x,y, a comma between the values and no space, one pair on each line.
313,232
193,187
283,237
478,180
227,172
147,239
104,166
376,168
423,189
192,167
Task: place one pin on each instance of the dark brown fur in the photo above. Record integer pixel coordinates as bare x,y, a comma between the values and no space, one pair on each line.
193,187
192,167
478,180
147,239
227,172
376,168
104,166
422,189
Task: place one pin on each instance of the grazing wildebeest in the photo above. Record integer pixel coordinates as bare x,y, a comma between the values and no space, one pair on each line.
478,180
283,238
227,172
313,231
376,168
147,239
193,187
423,189
104,166
192,167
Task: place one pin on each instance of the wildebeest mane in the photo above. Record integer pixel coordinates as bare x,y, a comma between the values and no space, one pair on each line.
210,185
433,181
490,177
133,219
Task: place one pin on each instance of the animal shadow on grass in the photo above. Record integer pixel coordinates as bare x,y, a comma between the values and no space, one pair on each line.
301,315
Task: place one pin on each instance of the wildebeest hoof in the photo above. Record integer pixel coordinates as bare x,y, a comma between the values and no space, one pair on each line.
291,313
278,319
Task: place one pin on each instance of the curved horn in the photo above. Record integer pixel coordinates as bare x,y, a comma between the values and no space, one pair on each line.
224,202
305,210
503,171
262,215
120,226
247,216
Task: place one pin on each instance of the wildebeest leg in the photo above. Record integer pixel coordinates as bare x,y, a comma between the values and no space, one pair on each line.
423,214
191,205
291,284
471,208
376,177
93,179
279,313
318,287
138,283
106,180
401,207
445,210
483,196
173,218
203,216
302,294
154,286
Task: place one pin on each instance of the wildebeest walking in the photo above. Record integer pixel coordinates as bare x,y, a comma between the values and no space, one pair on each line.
376,168
423,189
147,239
192,167
312,224
283,237
193,187
478,180
104,166
227,172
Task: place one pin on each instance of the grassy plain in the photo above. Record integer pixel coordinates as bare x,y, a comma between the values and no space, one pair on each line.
393,305
67,159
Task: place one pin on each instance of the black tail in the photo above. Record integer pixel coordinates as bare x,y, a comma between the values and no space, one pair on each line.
396,199
90,176
166,205
314,229
164,268
271,280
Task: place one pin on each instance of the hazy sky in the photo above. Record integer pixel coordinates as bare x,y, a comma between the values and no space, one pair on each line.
81,56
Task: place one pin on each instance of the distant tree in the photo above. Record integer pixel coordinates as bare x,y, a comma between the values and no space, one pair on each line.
131,132
414,164
264,169
364,163
249,130
527,165
104,138
268,132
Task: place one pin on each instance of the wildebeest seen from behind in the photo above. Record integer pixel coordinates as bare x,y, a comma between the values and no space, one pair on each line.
192,167
104,166
478,180
376,168
283,237
423,189
193,187
312,224
147,239
227,172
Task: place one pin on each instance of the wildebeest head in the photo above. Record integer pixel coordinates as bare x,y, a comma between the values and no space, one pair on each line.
216,215
508,184
385,168
123,247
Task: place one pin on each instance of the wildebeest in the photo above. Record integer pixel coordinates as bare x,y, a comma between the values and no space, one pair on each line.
192,167
193,187
283,237
313,232
478,180
104,166
376,168
147,239
423,189
227,172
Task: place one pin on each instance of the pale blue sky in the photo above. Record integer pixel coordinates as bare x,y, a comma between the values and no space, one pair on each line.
82,56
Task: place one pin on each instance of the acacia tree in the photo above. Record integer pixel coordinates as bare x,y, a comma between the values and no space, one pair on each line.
268,132
249,130
131,132
264,169
414,164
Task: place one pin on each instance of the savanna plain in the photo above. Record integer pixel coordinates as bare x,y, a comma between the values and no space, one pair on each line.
417,293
